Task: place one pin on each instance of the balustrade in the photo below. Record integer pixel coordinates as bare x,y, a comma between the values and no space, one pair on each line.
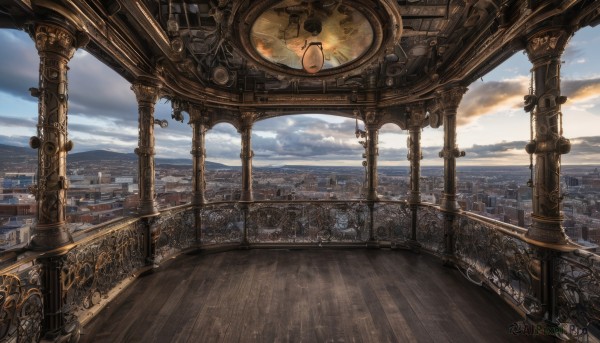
105,258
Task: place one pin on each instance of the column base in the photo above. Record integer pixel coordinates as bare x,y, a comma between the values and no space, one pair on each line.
48,237
414,199
148,209
547,230
413,245
449,205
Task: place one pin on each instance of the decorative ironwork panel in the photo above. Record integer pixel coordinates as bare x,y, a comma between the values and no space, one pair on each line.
578,291
173,231
315,222
392,221
430,228
94,268
499,259
22,306
222,223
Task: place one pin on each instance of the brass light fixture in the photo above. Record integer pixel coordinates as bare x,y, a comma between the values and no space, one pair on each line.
313,58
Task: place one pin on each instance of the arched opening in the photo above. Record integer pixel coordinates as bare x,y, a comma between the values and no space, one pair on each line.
392,170
307,157
223,173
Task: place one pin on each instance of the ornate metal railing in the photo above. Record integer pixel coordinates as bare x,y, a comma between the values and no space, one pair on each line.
430,228
392,221
578,291
173,231
221,223
21,302
99,262
495,253
307,222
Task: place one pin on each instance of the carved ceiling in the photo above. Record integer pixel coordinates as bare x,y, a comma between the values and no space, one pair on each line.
232,54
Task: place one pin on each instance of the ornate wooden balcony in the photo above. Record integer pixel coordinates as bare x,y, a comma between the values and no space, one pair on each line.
497,256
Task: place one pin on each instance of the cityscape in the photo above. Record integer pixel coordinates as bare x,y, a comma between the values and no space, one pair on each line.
103,186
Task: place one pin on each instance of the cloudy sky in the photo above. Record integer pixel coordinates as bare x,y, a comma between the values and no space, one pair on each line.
493,128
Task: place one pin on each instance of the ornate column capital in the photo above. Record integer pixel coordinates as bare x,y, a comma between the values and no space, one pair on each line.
198,115
147,90
247,118
449,98
50,37
547,43
372,118
417,116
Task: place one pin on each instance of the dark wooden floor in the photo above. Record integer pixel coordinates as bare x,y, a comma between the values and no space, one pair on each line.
304,296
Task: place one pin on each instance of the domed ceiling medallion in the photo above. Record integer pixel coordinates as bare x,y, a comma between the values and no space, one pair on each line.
329,33
328,38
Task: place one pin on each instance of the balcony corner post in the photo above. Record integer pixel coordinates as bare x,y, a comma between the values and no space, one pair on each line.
147,92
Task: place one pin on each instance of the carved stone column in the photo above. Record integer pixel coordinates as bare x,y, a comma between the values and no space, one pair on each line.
246,122
449,99
416,119
372,128
56,46
199,123
544,49
147,91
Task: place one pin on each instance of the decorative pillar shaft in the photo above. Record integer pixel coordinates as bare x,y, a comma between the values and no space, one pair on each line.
372,128
147,92
56,46
449,101
199,127
416,120
247,119
544,49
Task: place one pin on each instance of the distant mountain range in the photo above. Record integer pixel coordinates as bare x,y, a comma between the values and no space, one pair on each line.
9,153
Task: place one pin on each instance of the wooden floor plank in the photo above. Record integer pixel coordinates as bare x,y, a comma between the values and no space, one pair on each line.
304,296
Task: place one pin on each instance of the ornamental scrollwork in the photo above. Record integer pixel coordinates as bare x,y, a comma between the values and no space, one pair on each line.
578,289
430,228
501,260
221,223
392,222
21,306
90,271
173,232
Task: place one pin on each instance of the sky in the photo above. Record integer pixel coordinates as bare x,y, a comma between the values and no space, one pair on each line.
492,126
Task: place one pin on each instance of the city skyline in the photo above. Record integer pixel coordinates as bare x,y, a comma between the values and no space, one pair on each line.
492,126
